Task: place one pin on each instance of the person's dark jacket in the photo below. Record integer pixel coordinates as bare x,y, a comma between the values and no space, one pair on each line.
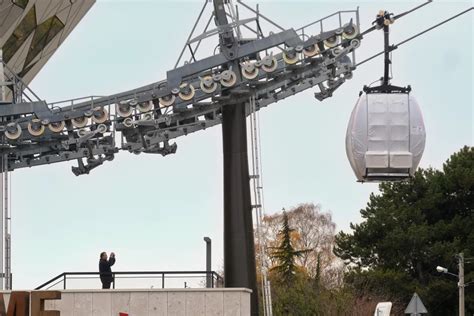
105,270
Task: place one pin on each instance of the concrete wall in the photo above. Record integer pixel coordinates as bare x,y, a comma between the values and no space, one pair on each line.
152,302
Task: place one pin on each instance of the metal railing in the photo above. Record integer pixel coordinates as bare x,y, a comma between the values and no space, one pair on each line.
216,279
21,90
72,102
341,18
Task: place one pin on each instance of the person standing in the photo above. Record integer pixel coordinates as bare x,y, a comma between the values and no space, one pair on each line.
105,271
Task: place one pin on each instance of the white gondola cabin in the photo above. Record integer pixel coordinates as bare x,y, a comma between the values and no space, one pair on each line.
386,137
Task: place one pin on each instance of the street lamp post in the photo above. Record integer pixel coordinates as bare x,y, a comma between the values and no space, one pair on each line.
461,284
208,262
460,277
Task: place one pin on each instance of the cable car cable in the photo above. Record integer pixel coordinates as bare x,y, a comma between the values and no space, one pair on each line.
410,11
393,47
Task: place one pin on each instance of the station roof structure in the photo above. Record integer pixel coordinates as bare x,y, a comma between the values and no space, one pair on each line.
32,30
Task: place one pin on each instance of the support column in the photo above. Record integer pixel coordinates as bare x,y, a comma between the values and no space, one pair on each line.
239,248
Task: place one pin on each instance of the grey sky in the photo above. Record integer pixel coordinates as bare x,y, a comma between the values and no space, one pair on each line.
154,211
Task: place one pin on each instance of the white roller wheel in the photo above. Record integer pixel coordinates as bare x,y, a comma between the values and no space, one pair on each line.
230,81
147,116
128,122
331,42
124,109
273,66
187,96
290,60
355,43
311,51
205,88
145,107
99,116
336,51
56,127
79,122
13,135
35,131
167,101
102,128
249,71
352,33
82,132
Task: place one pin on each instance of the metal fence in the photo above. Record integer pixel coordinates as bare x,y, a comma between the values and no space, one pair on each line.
165,278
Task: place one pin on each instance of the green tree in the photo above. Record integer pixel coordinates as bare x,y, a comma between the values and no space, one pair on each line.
411,227
314,230
314,286
285,254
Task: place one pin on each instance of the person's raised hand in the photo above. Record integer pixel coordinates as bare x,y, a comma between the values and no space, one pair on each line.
112,254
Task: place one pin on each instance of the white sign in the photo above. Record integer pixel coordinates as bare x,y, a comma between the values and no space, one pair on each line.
416,307
383,309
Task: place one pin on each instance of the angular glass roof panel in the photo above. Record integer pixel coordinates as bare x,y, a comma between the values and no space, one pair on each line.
45,32
21,3
19,36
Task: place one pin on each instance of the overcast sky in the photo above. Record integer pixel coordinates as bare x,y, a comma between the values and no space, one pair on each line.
154,211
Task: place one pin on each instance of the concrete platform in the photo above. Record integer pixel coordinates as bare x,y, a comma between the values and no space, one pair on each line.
151,302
